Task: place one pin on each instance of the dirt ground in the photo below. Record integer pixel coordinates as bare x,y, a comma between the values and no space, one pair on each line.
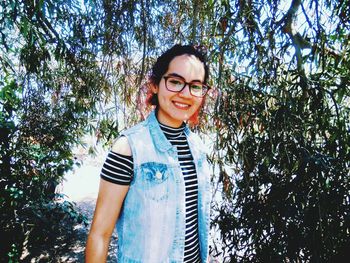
75,253
81,187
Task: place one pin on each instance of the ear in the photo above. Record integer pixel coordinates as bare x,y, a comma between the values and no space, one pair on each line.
154,88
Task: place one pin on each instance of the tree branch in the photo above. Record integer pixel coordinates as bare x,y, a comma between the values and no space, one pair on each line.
144,31
194,21
299,42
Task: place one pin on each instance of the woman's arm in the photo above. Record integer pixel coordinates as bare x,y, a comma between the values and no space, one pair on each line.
109,202
108,205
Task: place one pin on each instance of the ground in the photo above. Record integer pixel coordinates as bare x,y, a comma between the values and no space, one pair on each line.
80,186
75,252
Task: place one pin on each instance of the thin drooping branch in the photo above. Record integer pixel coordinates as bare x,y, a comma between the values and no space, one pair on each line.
300,42
144,31
194,20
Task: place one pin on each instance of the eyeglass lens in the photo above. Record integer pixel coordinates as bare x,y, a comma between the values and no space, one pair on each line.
177,84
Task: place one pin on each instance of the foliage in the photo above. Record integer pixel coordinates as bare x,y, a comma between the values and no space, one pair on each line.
280,126
284,133
48,92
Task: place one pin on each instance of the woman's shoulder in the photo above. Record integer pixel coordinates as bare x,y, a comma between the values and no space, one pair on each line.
122,146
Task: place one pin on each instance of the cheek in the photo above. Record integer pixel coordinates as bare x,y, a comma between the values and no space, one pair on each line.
199,103
164,97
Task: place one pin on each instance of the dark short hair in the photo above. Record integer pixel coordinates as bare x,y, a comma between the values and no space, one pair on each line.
162,64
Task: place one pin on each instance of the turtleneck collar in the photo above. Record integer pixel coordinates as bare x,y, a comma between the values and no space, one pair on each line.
171,132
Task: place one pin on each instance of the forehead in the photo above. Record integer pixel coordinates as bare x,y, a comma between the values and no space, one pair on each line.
187,66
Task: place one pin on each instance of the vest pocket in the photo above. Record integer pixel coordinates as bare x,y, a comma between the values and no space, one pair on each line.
155,177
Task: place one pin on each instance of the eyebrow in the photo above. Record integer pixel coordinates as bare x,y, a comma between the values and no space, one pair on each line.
181,77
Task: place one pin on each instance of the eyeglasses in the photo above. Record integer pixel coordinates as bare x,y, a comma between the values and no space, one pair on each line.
177,84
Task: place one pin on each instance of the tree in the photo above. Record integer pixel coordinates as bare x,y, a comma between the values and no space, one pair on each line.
280,127
67,68
50,86
284,129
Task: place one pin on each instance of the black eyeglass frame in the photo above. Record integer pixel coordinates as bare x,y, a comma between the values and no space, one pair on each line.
186,83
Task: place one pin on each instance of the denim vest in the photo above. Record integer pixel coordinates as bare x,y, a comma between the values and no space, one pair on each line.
151,226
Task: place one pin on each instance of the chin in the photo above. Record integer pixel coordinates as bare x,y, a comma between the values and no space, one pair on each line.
182,117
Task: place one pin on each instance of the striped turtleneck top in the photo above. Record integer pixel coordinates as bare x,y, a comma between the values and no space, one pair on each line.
118,169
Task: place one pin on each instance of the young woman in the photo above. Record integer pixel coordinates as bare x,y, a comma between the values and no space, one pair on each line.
155,181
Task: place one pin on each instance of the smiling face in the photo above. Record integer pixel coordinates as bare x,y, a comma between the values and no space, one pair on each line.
176,107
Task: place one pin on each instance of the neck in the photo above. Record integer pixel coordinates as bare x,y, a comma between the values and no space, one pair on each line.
169,124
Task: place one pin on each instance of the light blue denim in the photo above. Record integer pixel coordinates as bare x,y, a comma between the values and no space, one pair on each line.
151,227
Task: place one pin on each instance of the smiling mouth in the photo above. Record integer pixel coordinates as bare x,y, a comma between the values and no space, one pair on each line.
180,105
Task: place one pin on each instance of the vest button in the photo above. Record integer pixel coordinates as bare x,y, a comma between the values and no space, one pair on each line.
159,175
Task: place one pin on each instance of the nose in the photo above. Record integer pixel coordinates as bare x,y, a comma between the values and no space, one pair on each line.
185,92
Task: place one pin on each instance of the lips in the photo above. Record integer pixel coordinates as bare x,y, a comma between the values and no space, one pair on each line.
180,105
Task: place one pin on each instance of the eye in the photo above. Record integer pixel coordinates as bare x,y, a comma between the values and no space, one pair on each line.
176,82
196,86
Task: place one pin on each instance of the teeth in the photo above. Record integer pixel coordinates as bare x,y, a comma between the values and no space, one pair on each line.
181,105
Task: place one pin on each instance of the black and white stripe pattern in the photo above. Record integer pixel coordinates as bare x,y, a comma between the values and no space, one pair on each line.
177,138
119,169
